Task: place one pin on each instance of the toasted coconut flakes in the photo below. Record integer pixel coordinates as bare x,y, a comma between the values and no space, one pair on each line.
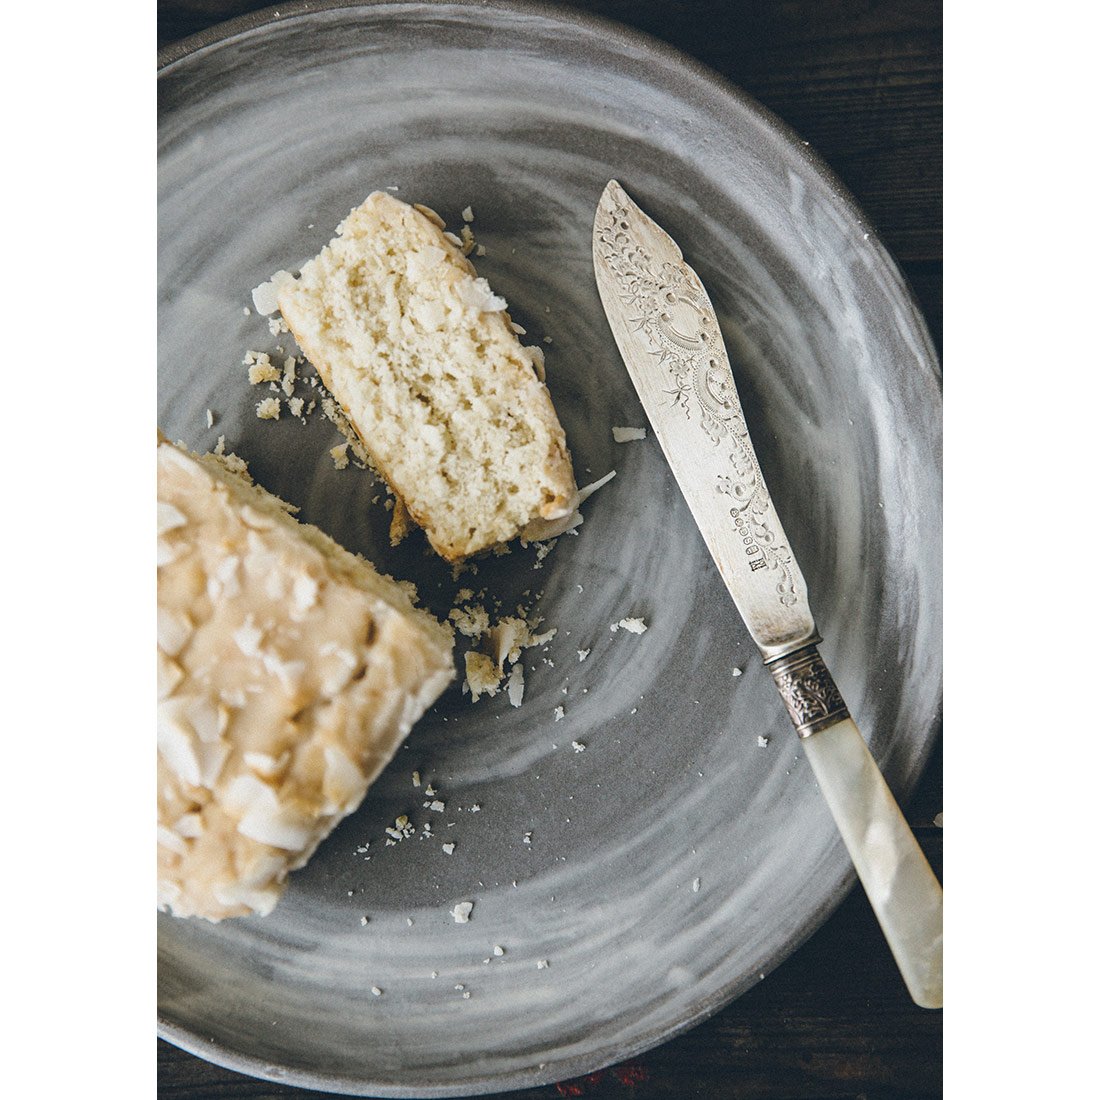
477,295
248,637
169,518
515,685
173,631
538,361
265,297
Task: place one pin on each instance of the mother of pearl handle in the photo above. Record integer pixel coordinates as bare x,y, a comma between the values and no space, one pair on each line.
903,890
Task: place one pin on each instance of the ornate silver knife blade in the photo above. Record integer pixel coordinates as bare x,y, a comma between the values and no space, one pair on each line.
670,341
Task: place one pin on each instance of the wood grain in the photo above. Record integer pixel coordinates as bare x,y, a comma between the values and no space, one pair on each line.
862,82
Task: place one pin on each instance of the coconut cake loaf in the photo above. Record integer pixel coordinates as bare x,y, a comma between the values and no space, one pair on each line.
421,355
289,672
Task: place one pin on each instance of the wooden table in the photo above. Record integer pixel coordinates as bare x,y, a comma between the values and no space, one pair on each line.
862,82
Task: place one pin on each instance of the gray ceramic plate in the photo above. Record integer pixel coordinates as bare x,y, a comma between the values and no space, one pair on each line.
674,862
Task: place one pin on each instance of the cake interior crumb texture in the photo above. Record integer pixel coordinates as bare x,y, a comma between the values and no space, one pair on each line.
421,355
289,672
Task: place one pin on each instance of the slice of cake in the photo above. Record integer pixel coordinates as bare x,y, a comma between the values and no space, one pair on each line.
288,672
420,354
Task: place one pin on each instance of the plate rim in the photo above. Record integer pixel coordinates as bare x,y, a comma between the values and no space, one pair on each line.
172,54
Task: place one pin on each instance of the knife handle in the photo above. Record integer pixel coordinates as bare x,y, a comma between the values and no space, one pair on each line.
901,886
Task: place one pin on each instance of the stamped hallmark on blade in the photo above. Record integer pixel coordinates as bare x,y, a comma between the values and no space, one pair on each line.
670,341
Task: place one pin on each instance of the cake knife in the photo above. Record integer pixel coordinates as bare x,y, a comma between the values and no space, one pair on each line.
668,335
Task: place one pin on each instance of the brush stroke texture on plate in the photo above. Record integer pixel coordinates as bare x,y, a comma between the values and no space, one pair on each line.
674,861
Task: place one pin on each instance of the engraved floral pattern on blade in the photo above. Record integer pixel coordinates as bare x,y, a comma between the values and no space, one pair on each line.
668,307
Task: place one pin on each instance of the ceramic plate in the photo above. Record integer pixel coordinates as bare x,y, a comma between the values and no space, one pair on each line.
641,883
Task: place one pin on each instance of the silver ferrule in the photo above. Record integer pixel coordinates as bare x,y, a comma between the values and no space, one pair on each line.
808,690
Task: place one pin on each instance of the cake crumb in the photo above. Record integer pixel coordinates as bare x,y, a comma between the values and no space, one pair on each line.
498,950
634,625
582,653
461,912
559,713
543,964
296,405
376,991
736,671
289,374
695,884
209,419
260,368
468,214
269,408
579,746
762,741
471,619
482,675
627,435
